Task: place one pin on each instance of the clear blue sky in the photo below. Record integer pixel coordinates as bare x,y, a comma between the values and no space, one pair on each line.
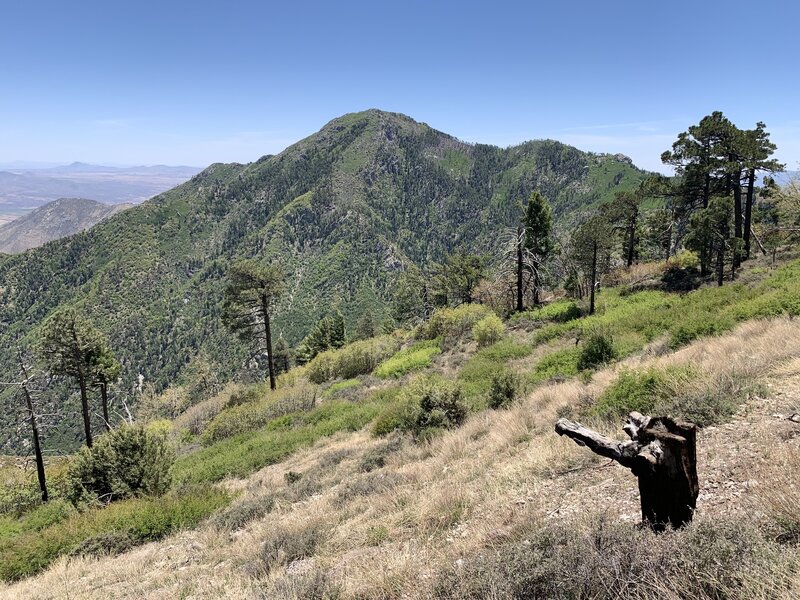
144,82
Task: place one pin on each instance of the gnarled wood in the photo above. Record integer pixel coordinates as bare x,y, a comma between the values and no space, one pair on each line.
662,455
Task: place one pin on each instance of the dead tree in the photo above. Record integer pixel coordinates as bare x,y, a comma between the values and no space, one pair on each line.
662,455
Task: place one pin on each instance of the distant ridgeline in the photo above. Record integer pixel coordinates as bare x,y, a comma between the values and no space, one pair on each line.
343,211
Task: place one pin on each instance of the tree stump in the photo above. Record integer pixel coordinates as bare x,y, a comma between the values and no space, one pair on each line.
661,453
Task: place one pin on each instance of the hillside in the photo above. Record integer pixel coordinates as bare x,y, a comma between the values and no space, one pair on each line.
344,211
346,497
53,221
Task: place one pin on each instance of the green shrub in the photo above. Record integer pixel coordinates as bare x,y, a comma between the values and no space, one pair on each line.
340,387
454,323
416,357
503,389
556,365
128,461
695,326
427,404
401,415
358,358
643,391
489,330
597,350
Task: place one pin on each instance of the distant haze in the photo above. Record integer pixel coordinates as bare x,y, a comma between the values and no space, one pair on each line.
23,189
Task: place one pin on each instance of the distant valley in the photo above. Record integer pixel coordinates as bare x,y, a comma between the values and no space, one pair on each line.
23,188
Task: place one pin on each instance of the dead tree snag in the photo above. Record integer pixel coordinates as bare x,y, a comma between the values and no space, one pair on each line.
661,453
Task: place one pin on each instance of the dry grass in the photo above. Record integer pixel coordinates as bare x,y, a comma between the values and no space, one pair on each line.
475,488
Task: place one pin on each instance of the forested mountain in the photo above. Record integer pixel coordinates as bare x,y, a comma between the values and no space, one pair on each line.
54,221
343,211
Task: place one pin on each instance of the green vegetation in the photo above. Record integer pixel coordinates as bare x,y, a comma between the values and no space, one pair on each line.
415,357
644,391
489,330
476,375
503,389
560,311
427,404
125,462
113,529
358,358
597,350
245,453
152,278
454,323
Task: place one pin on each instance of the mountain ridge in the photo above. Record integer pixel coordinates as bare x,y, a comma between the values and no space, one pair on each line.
52,221
343,210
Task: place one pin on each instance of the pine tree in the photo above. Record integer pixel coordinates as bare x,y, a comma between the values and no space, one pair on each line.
538,243
591,249
105,370
68,347
250,297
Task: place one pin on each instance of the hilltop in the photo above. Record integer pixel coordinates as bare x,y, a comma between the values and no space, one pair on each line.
344,211
53,221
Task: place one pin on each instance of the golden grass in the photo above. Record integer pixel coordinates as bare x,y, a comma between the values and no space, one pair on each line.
465,491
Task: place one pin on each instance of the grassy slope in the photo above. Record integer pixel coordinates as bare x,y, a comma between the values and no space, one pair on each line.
517,435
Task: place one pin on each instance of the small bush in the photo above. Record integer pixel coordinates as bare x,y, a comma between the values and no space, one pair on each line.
503,389
285,545
428,404
696,325
598,350
358,358
375,457
476,375
454,323
416,357
642,391
126,462
243,512
489,330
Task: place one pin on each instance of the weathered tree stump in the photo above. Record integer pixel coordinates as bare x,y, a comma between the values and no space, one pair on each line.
661,453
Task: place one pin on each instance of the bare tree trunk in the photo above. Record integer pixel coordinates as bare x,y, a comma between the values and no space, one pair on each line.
631,242
87,426
594,277
268,336
662,455
519,270
104,397
748,210
37,448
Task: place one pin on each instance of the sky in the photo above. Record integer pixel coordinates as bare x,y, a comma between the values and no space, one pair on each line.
193,83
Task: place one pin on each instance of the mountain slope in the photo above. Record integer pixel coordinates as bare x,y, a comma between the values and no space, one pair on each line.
53,221
342,210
